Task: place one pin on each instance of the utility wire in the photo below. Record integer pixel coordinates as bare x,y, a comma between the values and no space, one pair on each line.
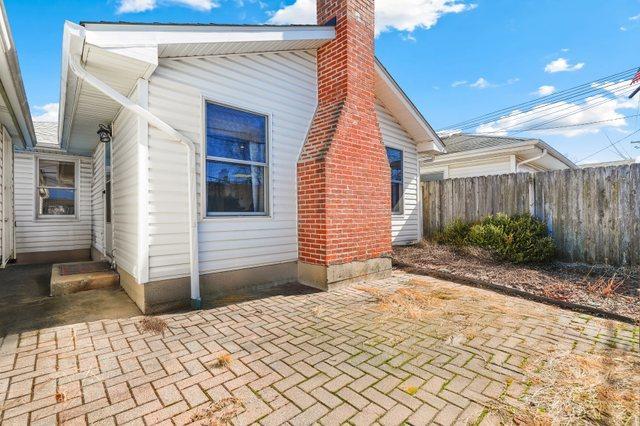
608,146
556,97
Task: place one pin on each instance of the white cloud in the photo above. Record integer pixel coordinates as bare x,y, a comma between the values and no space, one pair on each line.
603,108
546,90
562,65
135,6
47,112
635,18
459,83
401,15
623,28
481,83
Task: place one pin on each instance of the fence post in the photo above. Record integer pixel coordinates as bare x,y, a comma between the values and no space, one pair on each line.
532,195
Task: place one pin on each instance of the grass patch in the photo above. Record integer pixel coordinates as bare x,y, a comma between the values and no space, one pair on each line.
153,325
599,388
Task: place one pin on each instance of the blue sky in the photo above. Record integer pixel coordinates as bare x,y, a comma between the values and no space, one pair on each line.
455,59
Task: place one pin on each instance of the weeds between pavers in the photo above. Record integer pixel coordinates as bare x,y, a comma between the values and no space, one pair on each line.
563,387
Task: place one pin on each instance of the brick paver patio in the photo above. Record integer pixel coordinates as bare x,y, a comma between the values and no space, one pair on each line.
324,357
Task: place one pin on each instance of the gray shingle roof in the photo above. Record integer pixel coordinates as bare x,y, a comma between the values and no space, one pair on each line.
46,134
466,142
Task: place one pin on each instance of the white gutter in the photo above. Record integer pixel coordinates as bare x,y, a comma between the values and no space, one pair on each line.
76,66
544,154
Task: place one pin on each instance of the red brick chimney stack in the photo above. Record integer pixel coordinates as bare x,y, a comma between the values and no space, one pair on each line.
344,205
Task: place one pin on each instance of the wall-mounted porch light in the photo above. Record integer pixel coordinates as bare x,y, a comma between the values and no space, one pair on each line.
104,133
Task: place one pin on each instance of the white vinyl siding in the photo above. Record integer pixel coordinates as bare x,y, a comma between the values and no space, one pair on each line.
405,227
97,199
282,85
494,166
125,191
51,233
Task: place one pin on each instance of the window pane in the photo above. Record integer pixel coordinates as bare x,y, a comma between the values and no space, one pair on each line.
395,162
396,197
57,201
56,173
235,188
235,134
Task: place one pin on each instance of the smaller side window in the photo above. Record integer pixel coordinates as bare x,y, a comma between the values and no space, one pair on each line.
397,188
56,191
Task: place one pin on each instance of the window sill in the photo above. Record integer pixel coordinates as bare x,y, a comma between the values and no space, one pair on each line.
57,219
236,217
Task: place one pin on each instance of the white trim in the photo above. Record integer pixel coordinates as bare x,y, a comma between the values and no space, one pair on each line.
143,184
241,106
417,126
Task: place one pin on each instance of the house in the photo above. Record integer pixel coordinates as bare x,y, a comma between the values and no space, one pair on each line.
16,129
609,164
227,156
470,155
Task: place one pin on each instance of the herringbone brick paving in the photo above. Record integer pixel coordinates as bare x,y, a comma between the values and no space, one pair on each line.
331,358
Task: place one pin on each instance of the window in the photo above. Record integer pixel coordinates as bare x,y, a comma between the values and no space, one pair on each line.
237,158
56,188
395,162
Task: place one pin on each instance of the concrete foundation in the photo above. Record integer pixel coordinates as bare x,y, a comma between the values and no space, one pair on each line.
175,294
61,256
329,277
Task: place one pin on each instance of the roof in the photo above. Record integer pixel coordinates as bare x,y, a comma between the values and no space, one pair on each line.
466,142
121,53
465,145
14,108
609,163
196,24
46,133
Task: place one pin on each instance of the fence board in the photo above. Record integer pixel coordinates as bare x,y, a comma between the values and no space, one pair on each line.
593,214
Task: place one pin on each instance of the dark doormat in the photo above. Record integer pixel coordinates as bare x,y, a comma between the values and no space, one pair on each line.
83,267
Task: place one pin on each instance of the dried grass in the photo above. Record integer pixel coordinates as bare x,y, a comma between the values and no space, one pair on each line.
221,412
223,361
569,388
153,325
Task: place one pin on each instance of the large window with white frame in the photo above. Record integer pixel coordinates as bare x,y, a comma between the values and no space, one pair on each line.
397,189
237,158
56,191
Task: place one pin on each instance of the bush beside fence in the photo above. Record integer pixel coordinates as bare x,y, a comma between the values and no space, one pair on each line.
593,214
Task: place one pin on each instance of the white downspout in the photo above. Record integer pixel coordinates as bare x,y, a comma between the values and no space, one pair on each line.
77,68
544,153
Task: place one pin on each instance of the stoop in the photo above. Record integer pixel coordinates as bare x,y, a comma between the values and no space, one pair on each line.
67,278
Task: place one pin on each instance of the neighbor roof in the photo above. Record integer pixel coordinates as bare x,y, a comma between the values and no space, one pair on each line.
46,134
466,142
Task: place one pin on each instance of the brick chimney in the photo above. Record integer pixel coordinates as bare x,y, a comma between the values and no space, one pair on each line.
344,201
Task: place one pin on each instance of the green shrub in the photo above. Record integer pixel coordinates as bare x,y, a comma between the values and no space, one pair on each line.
454,234
519,238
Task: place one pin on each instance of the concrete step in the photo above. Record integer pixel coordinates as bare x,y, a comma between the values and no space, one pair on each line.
68,278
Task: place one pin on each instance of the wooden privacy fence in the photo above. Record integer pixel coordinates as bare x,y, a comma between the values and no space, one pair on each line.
593,214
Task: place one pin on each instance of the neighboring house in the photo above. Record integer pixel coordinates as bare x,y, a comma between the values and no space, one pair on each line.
240,155
470,155
16,129
608,164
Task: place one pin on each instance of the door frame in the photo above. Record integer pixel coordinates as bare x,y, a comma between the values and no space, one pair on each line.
108,226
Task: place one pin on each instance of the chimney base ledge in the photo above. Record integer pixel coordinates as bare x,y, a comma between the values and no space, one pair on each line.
332,277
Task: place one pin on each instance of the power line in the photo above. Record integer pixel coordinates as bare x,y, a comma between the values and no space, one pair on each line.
586,123
608,146
534,115
556,97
